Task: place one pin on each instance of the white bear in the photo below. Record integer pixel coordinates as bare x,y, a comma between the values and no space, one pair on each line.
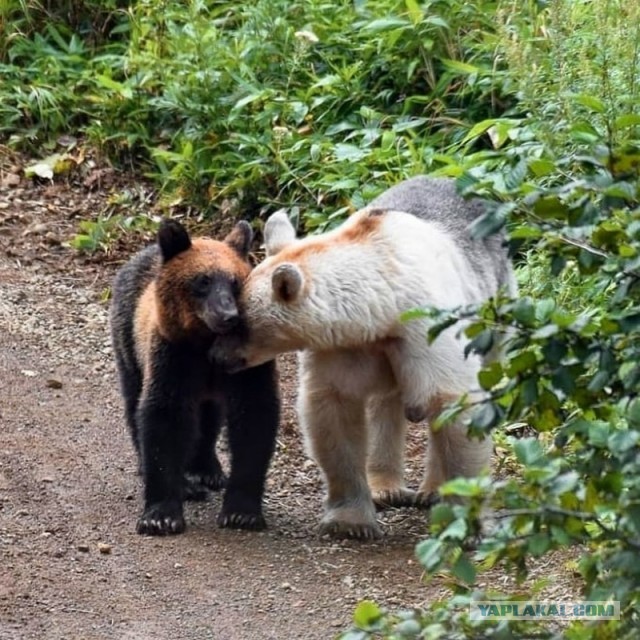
338,298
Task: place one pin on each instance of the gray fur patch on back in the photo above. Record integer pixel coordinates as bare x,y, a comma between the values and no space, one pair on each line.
436,200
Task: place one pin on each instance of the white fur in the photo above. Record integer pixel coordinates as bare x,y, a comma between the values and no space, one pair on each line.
278,232
362,368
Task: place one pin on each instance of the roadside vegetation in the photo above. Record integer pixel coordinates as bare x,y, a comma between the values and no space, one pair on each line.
237,109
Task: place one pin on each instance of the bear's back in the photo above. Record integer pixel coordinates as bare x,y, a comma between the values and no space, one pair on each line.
432,199
436,200
130,283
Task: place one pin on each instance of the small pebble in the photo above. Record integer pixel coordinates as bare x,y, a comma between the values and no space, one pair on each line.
104,548
83,547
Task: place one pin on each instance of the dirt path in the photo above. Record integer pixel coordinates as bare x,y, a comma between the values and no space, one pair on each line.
68,485
71,566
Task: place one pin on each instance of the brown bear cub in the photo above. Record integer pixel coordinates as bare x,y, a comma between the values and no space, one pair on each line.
169,303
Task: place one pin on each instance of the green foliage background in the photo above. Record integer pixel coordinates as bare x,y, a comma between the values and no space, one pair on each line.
288,103
318,106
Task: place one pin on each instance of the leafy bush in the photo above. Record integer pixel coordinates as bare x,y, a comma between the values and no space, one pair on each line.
296,104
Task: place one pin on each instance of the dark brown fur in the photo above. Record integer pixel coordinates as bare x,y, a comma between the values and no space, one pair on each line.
169,304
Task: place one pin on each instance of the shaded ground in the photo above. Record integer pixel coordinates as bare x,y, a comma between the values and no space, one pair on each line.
71,565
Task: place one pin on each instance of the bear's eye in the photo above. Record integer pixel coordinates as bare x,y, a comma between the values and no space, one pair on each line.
200,286
236,285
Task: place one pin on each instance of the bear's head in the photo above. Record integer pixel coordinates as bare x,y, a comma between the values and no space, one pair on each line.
307,294
199,281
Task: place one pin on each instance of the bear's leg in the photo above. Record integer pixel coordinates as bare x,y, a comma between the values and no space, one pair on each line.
334,425
131,386
253,414
431,376
167,430
204,471
424,370
451,452
385,462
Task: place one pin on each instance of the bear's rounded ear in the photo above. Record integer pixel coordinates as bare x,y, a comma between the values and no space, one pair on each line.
172,238
287,281
240,238
278,232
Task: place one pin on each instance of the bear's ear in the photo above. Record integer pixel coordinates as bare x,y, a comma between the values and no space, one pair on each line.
240,238
172,238
287,281
278,232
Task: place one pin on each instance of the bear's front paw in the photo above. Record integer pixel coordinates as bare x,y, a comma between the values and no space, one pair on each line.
416,413
241,511
357,522
349,530
161,519
248,521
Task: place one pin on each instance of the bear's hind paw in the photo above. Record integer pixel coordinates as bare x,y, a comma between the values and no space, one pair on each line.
197,485
400,497
425,500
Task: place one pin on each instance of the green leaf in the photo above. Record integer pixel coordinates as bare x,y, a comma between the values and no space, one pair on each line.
538,544
457,530
415,314
524,311
490,376
541,168
486,416
481,344
622,441
591,102
408,629
545,332
466,487
366,614
459,66
429,553
414,11
478,129
633,413
464,569
113,85
627,120
544,309
515,177
385,24
488,224
528,451
441,513
529,391
521,362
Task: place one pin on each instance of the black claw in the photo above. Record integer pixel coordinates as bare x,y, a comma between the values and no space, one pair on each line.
248,521
161,519
426,501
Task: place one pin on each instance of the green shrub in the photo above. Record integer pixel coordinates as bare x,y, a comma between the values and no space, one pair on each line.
565,179
267,103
